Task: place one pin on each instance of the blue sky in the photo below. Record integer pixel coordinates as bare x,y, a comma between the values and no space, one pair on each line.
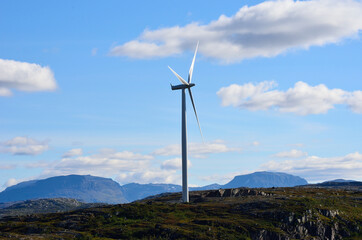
84,89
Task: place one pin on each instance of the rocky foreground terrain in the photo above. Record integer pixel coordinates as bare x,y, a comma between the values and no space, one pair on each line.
51,205
240,213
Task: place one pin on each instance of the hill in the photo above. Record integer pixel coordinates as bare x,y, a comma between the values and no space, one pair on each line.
340,180
350,185
239,213
265,180
136,191
50,205
86,188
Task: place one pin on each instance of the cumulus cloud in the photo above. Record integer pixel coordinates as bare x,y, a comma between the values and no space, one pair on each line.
174,164
125,166
263,30
73,152
150,176
106,160
302,99
23,146
315,168
294,153
355,101
196,150
24,76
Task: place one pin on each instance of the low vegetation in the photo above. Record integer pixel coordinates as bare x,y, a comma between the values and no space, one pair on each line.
274,213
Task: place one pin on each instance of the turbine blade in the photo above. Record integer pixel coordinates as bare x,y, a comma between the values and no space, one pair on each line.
192,64
178,76
193,104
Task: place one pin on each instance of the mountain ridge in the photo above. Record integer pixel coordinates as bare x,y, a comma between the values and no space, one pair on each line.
85,188
92,189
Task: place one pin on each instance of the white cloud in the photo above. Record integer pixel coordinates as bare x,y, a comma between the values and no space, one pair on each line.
316,169
38,164
174,164
302,99
255,143
150,176
4,92
73,152
23,146
294,153
25,76
264,30
355,101
10,182
222,178
196,150
7,166
125,166
217,178
107,161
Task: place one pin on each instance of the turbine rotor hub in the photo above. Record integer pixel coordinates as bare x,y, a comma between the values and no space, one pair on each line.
182,86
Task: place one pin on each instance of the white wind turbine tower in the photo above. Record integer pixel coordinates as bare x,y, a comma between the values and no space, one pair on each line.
185,85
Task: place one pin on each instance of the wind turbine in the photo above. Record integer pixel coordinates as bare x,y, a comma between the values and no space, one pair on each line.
185,85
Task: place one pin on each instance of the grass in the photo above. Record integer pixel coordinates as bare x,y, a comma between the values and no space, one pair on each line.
242,217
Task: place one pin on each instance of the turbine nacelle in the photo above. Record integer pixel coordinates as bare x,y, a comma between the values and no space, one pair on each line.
182,86
188,85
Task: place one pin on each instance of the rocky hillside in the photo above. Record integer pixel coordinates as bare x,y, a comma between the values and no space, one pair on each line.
239,213
51,205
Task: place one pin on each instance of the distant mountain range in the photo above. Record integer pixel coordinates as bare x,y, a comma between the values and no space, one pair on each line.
87,189
90,189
